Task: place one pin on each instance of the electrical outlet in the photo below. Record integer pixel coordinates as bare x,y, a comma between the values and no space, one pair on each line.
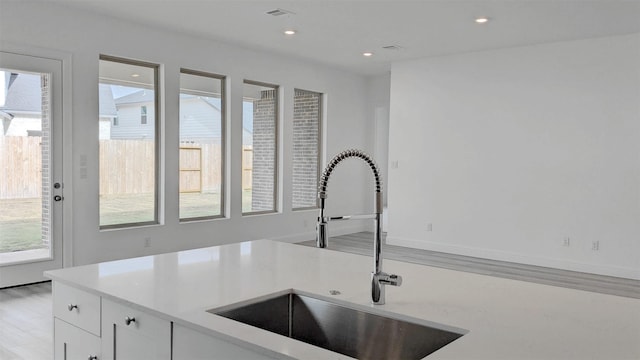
595,246
566,241
147,242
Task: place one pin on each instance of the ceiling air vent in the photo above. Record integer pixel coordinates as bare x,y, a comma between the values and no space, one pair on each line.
279,12
392,47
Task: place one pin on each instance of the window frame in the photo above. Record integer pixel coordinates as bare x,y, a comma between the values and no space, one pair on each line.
157,146
276,162
223,144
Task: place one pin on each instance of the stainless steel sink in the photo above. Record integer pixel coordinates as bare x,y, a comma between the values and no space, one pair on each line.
349,331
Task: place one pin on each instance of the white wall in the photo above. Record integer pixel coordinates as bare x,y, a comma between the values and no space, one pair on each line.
508,152
378,96
27,27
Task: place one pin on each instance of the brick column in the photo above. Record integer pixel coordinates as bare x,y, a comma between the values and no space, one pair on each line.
46,159
264,151
306,117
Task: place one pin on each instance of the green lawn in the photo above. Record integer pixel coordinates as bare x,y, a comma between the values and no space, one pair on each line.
23,235
20,224
20,219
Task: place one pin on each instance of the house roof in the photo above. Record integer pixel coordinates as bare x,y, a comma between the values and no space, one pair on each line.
210,102
23,93
107,106
207,100
141,96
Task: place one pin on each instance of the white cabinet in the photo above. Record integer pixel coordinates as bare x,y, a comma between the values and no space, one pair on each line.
89,327
77,307
192,345
76,324
128,333
72,343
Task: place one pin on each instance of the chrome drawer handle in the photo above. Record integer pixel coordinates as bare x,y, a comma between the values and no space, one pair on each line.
72,306
92,357
129,320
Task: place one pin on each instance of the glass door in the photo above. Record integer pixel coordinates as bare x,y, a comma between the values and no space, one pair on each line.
31,188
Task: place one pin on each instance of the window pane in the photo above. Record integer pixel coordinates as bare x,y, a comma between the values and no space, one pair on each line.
259,147
128,138
306,148
25,160
201,145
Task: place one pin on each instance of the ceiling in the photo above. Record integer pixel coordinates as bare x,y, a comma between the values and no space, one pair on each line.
337,32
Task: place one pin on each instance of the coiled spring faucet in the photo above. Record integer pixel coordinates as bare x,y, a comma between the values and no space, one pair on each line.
378,278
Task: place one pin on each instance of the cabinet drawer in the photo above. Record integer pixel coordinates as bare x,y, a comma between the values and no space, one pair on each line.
71,343
190,344
77,307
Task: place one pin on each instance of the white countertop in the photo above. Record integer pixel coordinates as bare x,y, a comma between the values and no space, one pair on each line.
506,319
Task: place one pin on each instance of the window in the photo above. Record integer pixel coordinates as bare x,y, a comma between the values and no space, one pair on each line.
128,152
259,147
307,115
202,144
143,115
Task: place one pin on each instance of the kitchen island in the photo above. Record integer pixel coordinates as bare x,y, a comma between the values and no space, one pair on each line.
505,319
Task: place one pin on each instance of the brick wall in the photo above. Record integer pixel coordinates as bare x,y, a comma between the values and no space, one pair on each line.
306,117
46,160
264,151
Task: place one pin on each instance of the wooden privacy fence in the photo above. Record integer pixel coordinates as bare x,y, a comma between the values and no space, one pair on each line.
126,167
247,167
199,167
21,166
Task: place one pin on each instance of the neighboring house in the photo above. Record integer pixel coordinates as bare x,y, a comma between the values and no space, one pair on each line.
200,118
22,109
21,113
135,120
108,113
128,117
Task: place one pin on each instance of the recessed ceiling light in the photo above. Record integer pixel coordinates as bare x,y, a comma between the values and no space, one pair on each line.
367,54
482,20
135,75
289,32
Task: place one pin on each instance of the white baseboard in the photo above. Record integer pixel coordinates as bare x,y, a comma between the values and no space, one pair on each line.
564,264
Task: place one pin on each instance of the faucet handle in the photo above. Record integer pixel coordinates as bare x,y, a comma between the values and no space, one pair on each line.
395,280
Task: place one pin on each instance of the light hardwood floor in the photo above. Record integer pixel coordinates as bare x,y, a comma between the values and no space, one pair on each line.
26,325
26,322
362,243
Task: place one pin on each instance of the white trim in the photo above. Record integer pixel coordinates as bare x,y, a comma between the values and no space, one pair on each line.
67,132
622,272
66,60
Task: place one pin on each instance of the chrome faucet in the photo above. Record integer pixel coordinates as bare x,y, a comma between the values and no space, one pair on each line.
378,278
